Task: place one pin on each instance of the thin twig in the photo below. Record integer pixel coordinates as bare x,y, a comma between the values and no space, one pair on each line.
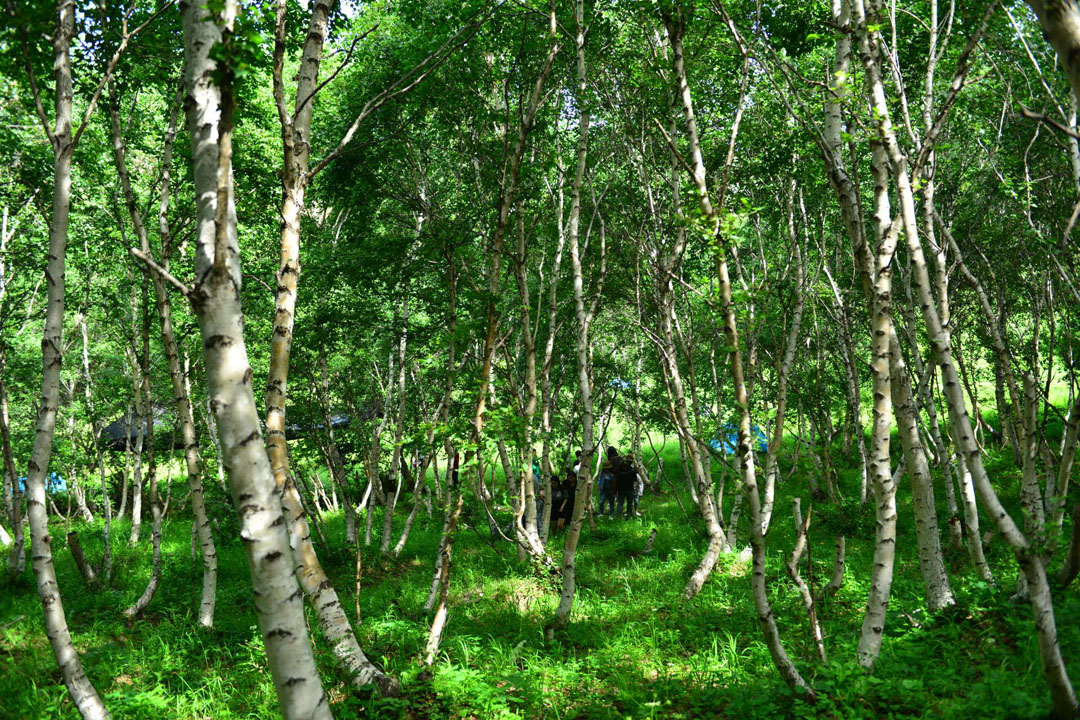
152,266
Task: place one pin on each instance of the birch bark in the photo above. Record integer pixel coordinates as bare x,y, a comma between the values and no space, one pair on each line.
17,559
79,687
177,374
151,472
784,369
215,299
719,248
1062,694
584,320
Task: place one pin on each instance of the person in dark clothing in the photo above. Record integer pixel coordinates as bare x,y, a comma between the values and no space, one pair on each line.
605,484
557,497
639,484
566,507
625,478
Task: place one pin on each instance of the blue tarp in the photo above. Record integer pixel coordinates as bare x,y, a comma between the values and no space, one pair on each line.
728,438
53,483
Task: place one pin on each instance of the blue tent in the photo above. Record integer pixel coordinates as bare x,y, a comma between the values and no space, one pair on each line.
53,483
728,438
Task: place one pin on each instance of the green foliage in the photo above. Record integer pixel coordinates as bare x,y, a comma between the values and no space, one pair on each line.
634,648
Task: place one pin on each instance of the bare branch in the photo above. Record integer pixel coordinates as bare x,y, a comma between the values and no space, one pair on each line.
405,83
152,266
112,64
1041,117
344,64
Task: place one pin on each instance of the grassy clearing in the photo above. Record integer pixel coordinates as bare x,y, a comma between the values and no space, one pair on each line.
635,649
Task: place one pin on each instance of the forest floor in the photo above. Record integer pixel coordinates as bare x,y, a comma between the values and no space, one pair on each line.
634,648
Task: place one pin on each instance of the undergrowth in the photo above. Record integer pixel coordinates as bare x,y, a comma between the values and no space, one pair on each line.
635,648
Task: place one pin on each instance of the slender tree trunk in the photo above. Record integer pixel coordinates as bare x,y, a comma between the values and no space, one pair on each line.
85,569
151,472
765,615
17,559
338,475
79,687
1071,566
525,526
215,299
784,369
143,419
177,373
296,130
442,577
1061,690
802,529
396,463
211,426
129,413
1061,487
106,501
698,481
584,320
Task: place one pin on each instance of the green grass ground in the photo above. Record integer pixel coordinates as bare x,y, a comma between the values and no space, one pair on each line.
635,649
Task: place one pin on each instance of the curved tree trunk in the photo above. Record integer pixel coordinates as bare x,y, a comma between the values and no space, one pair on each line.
784,369
1061,691
181,395
82,691
143,419
17,559
151,471
765,615
215,299
308,570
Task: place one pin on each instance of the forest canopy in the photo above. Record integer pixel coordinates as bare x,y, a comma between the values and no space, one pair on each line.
566,358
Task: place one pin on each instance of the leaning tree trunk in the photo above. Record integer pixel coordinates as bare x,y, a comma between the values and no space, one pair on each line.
177,375
17,559
765,615
525,522
143,418
398,460
441,584
95,432
1061,487
698,480
1028,556
215,299
783,371
1060,20
151,473
309,572
79,687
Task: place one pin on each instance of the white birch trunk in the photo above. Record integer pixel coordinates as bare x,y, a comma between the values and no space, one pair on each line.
79,687
177,374
215,299
584,320
764,611
1062,694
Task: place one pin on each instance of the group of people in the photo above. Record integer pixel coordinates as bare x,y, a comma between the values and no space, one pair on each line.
619,488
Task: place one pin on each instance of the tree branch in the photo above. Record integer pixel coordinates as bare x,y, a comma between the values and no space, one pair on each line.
152,266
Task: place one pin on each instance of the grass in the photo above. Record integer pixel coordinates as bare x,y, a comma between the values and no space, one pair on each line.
634,649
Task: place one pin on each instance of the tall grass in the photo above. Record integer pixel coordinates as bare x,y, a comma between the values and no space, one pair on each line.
634,648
